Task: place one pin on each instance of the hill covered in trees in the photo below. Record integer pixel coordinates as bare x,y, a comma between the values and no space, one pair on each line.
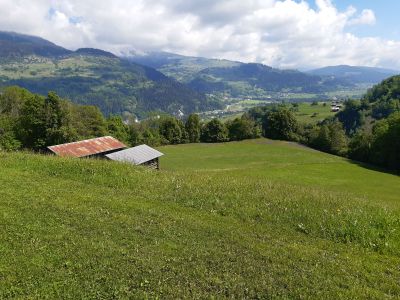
182,68
93,77
245,78
14,45
239,79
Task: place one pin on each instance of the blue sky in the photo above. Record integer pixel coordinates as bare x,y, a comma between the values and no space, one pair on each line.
387,17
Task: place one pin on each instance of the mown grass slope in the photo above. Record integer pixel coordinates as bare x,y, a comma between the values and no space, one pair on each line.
255,219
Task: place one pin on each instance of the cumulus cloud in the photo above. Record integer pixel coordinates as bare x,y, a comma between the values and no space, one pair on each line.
285,33
367,17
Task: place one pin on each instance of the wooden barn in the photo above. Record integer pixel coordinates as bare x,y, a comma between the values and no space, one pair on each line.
97,147
140,155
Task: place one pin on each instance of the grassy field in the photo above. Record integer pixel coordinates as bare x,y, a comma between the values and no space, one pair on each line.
313,113
306,113
255,219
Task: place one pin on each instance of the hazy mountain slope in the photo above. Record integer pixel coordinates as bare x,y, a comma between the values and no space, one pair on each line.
182,68
14,45
236,78
93,76
353,74
257,76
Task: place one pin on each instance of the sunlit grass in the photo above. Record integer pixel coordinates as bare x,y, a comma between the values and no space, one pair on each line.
255,219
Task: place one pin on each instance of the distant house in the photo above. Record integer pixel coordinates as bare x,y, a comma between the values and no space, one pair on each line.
97,147
335,108
140,155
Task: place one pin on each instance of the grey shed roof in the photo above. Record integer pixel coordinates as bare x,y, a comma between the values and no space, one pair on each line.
136,155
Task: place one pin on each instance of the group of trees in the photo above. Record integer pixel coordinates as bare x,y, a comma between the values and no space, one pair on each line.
31,121
379,144
373,125
279,122
163,130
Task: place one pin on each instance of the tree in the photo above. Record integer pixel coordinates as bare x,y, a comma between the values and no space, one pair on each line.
8,140
280,125
339,141
360,146
193,128
12,99
241,129
88,121
214,132
117,128
385,149
135,135
57,121
32,123
352,116
184,134
329,137
170,130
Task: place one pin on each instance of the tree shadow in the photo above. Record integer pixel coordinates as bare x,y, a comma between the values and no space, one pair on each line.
374,167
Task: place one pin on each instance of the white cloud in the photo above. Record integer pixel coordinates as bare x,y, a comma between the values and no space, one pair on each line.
287,33
367,17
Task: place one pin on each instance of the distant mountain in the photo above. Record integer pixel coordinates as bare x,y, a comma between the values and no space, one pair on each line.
94,52
93,76
260,77
13,45
235,78
182,68
367,75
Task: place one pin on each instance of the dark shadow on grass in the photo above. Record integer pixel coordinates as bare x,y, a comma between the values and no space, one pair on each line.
374,167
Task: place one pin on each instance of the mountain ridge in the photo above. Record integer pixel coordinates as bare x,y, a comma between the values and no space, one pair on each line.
356,74
199,73
93,76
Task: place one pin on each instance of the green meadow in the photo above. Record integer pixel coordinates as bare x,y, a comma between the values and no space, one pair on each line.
309,113
254,219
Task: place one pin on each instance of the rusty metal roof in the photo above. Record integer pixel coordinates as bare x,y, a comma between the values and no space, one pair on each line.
136,155
88,147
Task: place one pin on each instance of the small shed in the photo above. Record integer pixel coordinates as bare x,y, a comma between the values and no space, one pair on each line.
97,147
140,155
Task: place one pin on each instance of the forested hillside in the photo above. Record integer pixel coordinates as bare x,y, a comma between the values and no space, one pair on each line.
245,78
239,79
182,68
92,76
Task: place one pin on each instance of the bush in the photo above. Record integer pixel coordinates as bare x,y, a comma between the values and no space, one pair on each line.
214,132
281,125
330,138
385,149
241,129
171,130
193,128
